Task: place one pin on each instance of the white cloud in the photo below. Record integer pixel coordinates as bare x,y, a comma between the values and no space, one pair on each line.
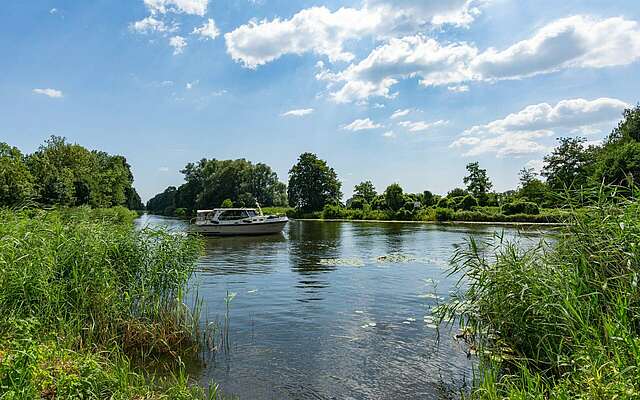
191,85
53,93
193,7
420,126
297,113
389,134
163,169
524,132
315,29
535,164
361,124
327,33
208,30
400,113
178,43
573,42
53,11
458,88
408,57
150,25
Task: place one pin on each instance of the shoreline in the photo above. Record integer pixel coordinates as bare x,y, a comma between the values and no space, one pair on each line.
500,223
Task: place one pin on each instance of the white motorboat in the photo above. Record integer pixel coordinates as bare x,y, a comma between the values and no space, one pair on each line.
237,221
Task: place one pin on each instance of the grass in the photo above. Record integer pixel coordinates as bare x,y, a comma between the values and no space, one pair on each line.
557,321
82,292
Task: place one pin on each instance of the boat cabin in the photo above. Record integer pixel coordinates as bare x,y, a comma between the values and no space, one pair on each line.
225,214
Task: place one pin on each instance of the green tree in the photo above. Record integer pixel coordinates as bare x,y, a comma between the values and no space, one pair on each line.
227,203
569,165
532,188
16,182
619,165
366,191
312,184
394,197
478,182
428,199
628,128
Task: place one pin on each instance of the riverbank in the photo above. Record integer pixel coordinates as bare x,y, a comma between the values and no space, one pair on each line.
550,224
560,322
83,293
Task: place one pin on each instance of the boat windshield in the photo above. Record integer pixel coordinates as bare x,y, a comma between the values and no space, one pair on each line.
230,215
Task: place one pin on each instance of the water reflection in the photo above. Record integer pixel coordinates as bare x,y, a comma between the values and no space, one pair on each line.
309,322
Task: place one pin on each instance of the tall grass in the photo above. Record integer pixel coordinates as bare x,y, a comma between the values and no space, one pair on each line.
556,321
80,289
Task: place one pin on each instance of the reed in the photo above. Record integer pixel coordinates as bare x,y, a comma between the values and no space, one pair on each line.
559,320
82,291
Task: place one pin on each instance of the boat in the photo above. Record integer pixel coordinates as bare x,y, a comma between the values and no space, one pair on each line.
237,221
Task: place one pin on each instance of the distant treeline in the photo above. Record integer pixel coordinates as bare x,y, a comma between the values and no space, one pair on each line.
209,183
65,174
572,169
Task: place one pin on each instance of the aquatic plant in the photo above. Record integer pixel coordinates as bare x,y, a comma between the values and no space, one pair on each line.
560,321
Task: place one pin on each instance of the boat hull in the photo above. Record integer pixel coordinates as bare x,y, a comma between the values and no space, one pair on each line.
253,229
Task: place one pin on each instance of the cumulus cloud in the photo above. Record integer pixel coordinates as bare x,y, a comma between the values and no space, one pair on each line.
193,7
53,93
361,125
408,57
325,32
297,113
208,30
315,29
191,85
524,132
420,126
150,25
573,42
400,113
178,43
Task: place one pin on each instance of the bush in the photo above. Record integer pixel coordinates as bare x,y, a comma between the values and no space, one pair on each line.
468,202
333,212
444,214
520,207
444,202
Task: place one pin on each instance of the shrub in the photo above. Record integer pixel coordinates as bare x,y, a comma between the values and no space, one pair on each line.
444,202
444,214
520,207
468,202
331,211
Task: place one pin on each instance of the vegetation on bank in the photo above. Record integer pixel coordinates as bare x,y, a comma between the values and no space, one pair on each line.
64,174
561,321
81,292
314,190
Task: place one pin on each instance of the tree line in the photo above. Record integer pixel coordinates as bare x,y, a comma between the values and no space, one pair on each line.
65,174
313,186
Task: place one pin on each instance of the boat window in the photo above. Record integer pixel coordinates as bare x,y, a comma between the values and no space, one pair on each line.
231,215
252,213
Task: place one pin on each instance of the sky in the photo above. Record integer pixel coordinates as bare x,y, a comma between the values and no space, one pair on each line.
405,91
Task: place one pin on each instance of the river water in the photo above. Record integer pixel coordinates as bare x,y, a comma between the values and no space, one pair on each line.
335,310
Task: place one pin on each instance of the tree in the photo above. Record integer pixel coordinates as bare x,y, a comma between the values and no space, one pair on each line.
366,191
569,164
628,128
394,197
527,175
16,182
312,184
532,188
428,199
478,182
619,165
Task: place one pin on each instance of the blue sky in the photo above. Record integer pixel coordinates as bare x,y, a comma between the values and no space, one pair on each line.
166,82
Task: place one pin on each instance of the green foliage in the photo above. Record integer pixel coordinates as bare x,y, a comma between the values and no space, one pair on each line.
468,202
569,165
227,203
556,322
428,199
210,182
78,287
313,184
69,174
478,182
444,214
16,181
619,165
394,197
444,202
520,207
365,191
